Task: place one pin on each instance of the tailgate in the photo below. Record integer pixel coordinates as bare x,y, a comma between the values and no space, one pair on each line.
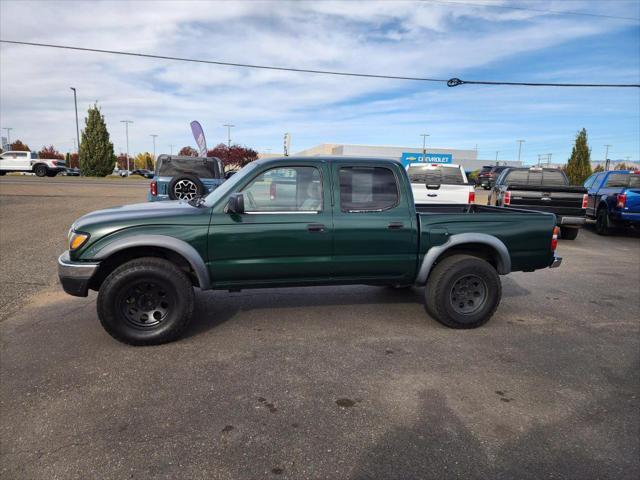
443,194
632,205
565,200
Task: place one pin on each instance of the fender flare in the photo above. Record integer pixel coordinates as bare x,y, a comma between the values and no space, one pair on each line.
176,245
504,259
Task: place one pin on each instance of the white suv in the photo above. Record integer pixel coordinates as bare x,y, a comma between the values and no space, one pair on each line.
16,161
440,183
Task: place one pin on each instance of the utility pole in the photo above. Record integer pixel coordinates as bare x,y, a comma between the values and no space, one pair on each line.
606,152
75,103
126,129
424,145
154,146
229,127
497,152
8,129
520,142
171,149
549,158
539,155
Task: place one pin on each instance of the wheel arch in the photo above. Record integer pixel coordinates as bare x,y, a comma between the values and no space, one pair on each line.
175,250
481,245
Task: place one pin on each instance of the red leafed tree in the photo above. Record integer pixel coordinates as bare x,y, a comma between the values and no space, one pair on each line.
18,146
188,152
50,152
122,161
74,161
236,156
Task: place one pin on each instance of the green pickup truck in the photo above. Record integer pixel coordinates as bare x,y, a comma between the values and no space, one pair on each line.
299,222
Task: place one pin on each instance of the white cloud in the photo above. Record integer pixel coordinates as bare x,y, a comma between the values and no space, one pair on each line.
162,97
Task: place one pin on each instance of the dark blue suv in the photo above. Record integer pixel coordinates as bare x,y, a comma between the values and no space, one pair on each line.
185,178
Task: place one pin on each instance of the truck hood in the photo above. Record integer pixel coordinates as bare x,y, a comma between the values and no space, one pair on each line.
140,214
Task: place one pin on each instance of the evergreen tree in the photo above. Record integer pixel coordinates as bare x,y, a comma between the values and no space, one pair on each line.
96,151
579,164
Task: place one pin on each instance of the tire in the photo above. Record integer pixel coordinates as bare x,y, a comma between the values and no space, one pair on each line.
52,174
465,275
185,187
149,283
40,170
567,233
603,224
2,173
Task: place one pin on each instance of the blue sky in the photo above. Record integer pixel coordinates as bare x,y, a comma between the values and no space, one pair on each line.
471,40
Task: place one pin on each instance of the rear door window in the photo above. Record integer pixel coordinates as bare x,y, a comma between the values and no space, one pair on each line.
617,180
367,189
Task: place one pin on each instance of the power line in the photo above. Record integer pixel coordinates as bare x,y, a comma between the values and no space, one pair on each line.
452,82
538,10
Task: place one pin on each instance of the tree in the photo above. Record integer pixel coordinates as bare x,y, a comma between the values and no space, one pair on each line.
143,160
18,146
96,151
579,164
188,152
50,152
73,161
622,166
121,161
236,156
599,168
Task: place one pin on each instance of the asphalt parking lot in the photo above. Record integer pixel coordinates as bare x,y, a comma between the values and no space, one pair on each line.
336,382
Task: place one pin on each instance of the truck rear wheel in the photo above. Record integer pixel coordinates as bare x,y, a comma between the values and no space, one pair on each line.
40,170
603,224
463,292
567,233
147,301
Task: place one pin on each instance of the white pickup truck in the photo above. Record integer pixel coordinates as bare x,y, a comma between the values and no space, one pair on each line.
440,183
17,161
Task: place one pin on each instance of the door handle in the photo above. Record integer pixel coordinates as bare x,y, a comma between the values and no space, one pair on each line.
315,227
395,226
432,194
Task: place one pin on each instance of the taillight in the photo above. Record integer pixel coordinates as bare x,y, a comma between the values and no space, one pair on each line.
153,187
272,191
622,200
585,197
472,197
554,239
506,200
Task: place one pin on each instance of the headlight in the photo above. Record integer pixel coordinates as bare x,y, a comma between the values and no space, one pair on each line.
77,239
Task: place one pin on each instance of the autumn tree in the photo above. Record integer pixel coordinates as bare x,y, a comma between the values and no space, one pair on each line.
18,146
50,152
121,161
188,152
73,161
579,164
144,160
236,156
622,166
96,150
599,168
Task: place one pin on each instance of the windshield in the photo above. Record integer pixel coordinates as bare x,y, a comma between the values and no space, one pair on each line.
228,186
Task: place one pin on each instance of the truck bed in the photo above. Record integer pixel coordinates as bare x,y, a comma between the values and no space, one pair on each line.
431,208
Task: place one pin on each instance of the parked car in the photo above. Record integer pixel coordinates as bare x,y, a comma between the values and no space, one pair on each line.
544,189
614,199
440,183
28,162
349,221
488,180
483,174
142,172
185,178
72,172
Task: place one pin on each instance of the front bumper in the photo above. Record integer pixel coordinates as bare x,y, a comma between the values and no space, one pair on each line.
75,276
571,221
556,262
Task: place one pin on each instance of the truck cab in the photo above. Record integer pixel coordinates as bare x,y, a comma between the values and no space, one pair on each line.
613,199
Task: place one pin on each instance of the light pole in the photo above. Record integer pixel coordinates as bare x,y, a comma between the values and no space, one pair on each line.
153,135
170,149
549,158
497,152
126,129
8,129
75,103
424,145
520,142
229,127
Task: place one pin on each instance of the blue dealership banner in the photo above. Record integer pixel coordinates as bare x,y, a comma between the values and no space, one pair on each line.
411,157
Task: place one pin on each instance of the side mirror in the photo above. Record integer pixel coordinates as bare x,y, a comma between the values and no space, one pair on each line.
236,203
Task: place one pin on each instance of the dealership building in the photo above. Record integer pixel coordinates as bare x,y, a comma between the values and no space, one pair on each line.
467,158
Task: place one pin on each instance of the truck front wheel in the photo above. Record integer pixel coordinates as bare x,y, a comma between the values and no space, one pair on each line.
147,301
40,170
463,292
